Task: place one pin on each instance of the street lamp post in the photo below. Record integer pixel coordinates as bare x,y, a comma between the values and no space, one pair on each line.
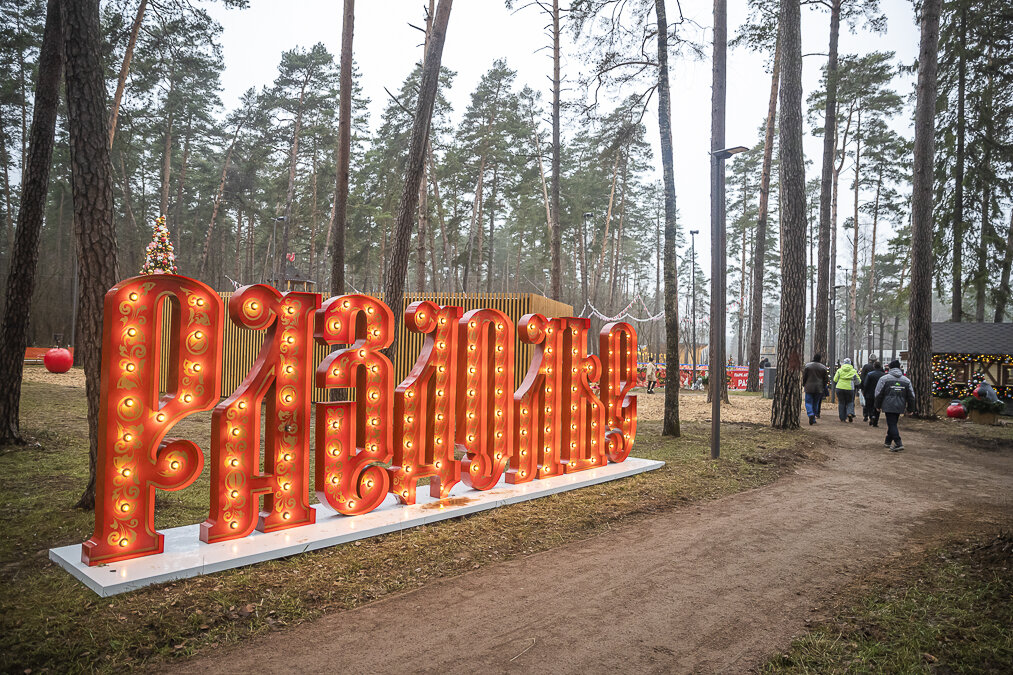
719,271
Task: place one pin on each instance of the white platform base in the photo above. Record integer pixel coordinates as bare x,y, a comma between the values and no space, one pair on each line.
186,556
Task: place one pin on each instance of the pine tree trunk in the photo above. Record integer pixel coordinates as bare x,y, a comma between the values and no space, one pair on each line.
250,272
163,208
121,83
555,241
760,243
896,317
922,263
670,423
981,276
281,255
218,200
451,280
825,268
93,200
739,339
787,383
422,232
957,298
397,269
423,227
1003,294
492,224
237,268
25,255
873,286
174,226
596,274
314,213
853,300
617,246
476,221
718,328
338,223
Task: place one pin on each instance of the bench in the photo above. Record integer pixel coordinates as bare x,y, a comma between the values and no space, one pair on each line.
35,355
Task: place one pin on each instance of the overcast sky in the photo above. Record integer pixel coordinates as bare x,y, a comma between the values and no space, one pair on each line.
480,31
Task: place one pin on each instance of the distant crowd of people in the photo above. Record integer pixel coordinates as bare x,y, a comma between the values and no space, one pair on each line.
888,392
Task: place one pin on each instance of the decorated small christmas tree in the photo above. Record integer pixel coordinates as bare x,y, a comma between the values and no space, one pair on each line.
942,381
973,382
158,257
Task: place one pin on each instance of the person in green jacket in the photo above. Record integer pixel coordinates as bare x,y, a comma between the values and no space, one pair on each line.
845,382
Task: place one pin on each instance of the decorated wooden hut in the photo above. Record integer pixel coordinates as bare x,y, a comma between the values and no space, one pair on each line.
971,351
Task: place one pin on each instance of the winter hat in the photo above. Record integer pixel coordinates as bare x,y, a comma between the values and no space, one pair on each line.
895,363
847,361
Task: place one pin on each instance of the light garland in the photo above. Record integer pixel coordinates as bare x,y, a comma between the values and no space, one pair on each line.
961,390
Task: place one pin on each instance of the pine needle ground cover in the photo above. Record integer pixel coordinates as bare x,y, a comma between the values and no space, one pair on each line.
50,621
950,612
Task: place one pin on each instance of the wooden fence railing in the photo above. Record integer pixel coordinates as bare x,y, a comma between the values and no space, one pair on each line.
241,345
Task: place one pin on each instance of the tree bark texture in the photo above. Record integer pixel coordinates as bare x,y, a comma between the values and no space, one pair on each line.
956,302
718,318
344,152
670,424
920,305
397,267
787,384
760,240
25,254
93,200
825,267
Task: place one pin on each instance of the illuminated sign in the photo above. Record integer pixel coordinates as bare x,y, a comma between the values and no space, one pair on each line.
572,411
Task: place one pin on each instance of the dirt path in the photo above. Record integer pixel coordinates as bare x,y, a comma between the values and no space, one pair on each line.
713,588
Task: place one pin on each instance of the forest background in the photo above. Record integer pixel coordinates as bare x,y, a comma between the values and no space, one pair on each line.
220,100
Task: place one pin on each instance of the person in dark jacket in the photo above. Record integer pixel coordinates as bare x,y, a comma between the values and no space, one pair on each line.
815,379
894,395
866,369
869,382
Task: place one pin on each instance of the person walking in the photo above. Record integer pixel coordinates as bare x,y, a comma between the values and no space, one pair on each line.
815,379
894,396
845,380
652,376
869,382
866,369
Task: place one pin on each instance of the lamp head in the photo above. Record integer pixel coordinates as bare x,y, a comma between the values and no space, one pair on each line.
725,153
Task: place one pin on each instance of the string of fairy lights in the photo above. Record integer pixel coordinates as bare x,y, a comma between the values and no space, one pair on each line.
944,374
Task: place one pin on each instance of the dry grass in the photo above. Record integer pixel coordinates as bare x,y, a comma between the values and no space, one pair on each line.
949,612
50,621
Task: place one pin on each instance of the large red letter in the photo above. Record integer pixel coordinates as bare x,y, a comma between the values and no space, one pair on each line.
484,395
583,430
618,347
354,438
536,416
133,459
424,407
281,374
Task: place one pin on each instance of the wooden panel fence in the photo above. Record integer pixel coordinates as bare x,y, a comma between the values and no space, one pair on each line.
241,345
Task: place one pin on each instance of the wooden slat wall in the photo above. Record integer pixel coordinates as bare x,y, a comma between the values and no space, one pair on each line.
241,345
